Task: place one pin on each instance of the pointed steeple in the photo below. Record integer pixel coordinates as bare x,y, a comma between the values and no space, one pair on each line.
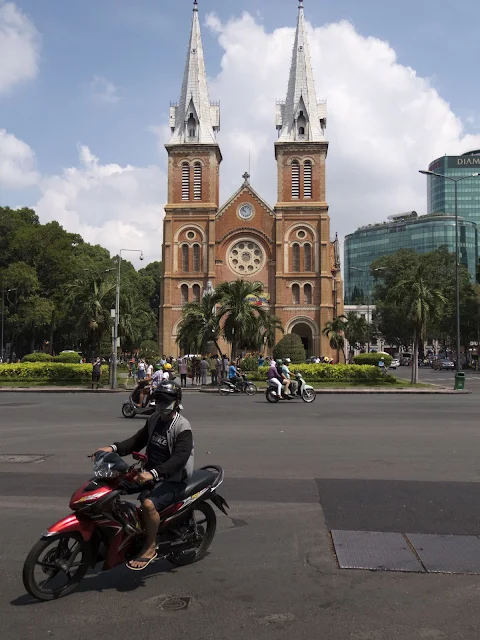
301,117
194,119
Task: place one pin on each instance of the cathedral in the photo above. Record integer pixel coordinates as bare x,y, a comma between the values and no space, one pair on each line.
288,247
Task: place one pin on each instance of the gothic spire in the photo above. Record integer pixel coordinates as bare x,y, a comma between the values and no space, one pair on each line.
194,119
301,117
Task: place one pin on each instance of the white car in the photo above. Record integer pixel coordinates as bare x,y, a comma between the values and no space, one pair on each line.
395,363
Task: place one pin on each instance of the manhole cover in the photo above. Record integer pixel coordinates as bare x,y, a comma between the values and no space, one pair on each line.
175,604
21,458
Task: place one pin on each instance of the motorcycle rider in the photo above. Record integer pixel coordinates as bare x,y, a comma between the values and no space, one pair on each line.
284,379
234,374
168,439
274,378
286,371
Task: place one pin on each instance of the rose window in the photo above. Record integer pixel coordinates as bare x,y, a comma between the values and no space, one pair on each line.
246,257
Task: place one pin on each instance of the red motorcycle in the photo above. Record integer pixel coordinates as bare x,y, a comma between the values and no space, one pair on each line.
104,528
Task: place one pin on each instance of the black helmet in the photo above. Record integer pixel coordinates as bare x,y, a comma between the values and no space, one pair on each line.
168,396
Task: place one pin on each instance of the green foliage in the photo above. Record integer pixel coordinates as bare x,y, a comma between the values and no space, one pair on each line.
149,351
70,358
337,373
38,357
334,330
290,346
373,359
49,372
249,363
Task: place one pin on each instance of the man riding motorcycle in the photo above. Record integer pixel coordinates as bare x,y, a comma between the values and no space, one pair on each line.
168,439
283,378
287,373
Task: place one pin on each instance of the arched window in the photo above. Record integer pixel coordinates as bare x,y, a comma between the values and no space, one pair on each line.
301,124
307,179
296,293
192,126
307,257
296,257
184,292
185,252
185,181
197,181
295,179
196,292
196,258
307,291
301,131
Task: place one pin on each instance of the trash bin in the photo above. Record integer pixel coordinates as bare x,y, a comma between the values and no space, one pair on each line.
459,381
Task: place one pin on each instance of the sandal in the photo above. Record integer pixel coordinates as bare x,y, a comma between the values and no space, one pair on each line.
146,562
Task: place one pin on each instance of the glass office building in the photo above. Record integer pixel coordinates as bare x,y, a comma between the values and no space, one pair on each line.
403,231
441,193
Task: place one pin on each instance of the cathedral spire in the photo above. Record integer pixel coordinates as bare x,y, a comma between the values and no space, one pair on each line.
301,117
194,119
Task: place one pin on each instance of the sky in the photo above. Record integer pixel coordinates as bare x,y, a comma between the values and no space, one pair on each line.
85,89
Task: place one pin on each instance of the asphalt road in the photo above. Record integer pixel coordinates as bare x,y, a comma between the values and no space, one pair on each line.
294,472
443,378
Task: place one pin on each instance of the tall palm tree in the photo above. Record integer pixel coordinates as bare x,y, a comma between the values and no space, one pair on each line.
200,323
422,304
355,330
240,316
334,330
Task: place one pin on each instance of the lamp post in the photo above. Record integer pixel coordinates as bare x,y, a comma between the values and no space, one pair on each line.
117,312
4,291
457,250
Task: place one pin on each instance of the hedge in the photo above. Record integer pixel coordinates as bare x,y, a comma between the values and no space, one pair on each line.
328,372
373,359
38,357
290,346
49,372
69,358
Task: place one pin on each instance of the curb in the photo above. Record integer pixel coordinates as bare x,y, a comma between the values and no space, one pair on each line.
347,390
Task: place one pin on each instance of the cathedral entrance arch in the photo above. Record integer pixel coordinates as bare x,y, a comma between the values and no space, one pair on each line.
308,331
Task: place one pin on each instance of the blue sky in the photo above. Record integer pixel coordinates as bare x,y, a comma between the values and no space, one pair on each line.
106,71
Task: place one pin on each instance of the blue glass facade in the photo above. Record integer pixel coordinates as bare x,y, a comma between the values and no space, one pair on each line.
421,234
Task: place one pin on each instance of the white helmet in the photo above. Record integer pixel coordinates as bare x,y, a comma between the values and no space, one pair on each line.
287,360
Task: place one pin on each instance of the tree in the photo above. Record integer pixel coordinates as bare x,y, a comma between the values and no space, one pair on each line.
200,324
290,346
355,329
334,330
423,304
266,336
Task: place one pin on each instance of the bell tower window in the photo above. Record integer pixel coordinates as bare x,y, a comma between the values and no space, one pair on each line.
296,294
307,291
295,179
185,252
197,181
196,258
307,179
296,258
196,292
192,127
184,293
307,257
185,181
301,125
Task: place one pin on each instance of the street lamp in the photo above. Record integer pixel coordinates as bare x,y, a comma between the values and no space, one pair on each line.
4,291
457,248
117,312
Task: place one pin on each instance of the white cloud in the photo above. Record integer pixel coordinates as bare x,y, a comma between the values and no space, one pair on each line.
102,91
19,47
384,122
117,207
17,162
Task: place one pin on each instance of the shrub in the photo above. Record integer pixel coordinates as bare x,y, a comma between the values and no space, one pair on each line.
250,363
49,372
373,359
69,358
290,346
149,350
334,373
38,357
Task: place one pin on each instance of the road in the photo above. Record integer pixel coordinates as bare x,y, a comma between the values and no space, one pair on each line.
443,378
294,472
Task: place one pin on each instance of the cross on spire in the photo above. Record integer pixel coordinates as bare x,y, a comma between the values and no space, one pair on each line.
246,177
195,5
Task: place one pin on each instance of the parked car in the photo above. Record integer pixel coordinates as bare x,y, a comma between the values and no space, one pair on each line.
443,363
395,363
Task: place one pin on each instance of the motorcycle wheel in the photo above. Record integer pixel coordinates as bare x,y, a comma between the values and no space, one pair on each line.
309,395
43,579
272,396
250,389
128,410
206,521
225,390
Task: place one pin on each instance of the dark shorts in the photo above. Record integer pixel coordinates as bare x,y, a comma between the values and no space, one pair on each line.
163,494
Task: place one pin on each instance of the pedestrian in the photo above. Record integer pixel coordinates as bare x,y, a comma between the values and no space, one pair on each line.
141,370
204,367
213,370
261,360
96,372
134,370
218,368
183,369
225,365
150,370
381,365
163,360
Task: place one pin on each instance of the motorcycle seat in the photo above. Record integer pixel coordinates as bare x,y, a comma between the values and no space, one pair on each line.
198,481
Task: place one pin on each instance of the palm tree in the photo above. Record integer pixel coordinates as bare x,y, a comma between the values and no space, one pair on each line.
334,330
200,323
355,330
422,304
268,331
240,316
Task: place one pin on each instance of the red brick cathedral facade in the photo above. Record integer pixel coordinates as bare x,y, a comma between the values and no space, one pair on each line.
287,247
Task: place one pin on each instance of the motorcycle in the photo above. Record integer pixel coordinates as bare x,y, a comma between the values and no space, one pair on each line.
304,391
104,528
227,387
130,409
